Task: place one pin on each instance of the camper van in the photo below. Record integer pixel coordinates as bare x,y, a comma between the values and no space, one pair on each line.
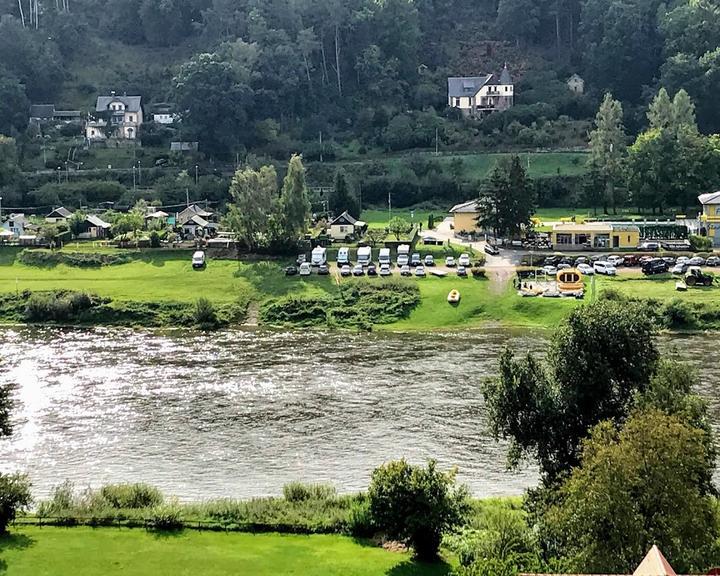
384,256
403,254
364,255
319,256
343,256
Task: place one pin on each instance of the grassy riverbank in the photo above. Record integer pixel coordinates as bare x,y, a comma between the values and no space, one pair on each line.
47,551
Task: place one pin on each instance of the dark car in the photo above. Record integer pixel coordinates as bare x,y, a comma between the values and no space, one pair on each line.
630,260
371,270
655,266
669,259
581,260
323,270
553,260
291,271
491,249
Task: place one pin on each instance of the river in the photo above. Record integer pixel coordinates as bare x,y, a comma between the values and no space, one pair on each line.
240,413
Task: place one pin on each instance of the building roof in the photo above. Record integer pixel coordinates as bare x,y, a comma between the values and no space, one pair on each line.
157,214
197,210
132,103
711,198
197,220
466,85
60,212
505,77
575,78
97,221
344,218
469,207
654,564
67,114
45,111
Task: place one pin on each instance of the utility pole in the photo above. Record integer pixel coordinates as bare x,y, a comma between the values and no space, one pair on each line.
321,147
133,171
187,197
436,141
0,208
139,174
196,175
389,206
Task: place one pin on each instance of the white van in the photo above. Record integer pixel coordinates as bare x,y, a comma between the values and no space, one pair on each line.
364,255
384,257
343,256
403,255
319,256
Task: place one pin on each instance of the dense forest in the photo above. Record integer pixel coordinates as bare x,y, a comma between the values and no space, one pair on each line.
251,75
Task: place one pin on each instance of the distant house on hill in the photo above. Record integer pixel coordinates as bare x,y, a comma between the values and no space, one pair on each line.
576,84
47,114
58,215
164,113
344,226
93,227
16,224
196,221
123,113
480,95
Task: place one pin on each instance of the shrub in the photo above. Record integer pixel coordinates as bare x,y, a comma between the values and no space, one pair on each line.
131,495
300,492
14,497
416,504
154,239
167,516
204,313
360,522
47,258
700,243
679,314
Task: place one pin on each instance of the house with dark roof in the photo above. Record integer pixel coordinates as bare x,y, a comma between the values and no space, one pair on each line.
344,226
60,214
480,95
195,221
93,227
48,114
116,117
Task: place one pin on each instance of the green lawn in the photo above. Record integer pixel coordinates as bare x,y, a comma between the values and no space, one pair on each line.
48,551
380,218
660,287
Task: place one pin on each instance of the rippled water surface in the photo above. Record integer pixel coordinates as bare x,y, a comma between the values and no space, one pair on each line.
240,413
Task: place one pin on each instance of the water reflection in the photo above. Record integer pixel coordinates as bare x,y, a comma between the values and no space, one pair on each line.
240,413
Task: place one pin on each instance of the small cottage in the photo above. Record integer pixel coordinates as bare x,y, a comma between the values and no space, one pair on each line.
58,215
480,95
576,84
465,216
343,226
16,224
93,228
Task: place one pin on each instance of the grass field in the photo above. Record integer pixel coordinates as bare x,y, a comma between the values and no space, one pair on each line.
380,218
127,552
660,287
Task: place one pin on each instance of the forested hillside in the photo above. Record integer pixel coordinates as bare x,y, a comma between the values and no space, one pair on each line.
266,75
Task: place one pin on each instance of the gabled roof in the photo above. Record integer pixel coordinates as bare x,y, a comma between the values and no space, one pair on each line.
344,218
157,214
97,221
469,207
46,111
194,208
466,85
505,77
575,78
61,212
711,198
132,103
654,564
197,220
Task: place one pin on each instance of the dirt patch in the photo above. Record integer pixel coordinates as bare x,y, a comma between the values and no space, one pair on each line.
499,278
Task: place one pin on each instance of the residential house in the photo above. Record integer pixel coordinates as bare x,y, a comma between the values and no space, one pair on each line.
58,215
157,215
195,221
93,228
164,114
594,235
183,146
465,216
480,95
16,224
710,217
344,226
576,84
124,113
47,114
654,564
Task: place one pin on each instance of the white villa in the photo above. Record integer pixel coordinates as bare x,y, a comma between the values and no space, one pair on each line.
125,115
479,95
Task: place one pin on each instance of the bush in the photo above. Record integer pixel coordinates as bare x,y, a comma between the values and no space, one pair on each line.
14,497
700,243
360,522
299,492
204,313
131,495
416,504
166,517
80,259
154,239
679,314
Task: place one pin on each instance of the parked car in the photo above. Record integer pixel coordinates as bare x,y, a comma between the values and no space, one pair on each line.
649,246
405,270
680,268
345,270
655,266
372,270
682,260
385,270
712,261
198,259
343,256
553,260
630,260
323,270
461,271
669,259
549,270
415,259
563,266
615,260
464,260
450,261
697,261
604,267
358,270
402,259
586,269
305,269
429,260
491,249
420,271
581,260
291,271
300,259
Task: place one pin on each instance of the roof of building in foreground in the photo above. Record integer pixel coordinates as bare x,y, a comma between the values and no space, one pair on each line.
711,198
654,564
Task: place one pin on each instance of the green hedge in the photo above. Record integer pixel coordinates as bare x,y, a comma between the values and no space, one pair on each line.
48,258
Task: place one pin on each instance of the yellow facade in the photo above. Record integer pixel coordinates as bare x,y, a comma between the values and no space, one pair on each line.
465,221
595,235
711,222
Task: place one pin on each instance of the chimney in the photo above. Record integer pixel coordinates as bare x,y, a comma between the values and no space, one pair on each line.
112,92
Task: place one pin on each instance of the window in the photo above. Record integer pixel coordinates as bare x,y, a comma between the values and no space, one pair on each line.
582,238
457,101
92,132
342,229
563,238
132,118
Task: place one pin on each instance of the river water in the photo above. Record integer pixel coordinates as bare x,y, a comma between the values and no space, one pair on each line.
240,413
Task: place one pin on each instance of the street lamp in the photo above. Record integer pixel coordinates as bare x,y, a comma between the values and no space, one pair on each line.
196,174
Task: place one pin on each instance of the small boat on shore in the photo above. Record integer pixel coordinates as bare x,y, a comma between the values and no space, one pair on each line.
453,297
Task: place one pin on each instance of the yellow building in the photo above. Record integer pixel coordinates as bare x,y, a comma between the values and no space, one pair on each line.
710,218
595,235
465,217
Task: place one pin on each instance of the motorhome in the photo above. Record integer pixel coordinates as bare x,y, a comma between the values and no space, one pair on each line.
364,255
384,257
319,256
343,256
403,254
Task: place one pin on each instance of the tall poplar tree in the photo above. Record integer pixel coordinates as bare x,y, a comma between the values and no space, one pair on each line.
294,202
607,150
